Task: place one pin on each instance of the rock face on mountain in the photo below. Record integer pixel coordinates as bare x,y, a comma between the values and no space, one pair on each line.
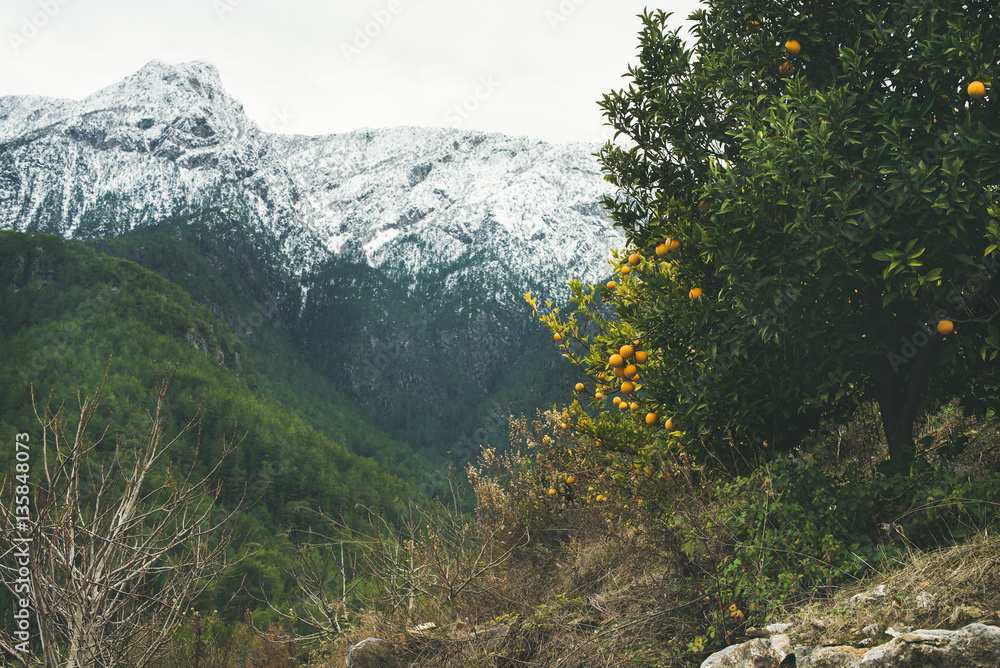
169,141
398,256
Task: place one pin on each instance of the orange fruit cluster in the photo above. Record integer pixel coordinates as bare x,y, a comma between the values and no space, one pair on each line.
667,246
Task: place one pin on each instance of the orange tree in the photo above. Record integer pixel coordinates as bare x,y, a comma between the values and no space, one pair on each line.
808,192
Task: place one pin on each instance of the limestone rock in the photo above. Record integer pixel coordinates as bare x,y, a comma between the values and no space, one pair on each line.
872,630
974,646
758,653
371,653
875,594
840,656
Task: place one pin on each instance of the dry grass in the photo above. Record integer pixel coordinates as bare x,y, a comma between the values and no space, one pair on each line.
572,582
944,589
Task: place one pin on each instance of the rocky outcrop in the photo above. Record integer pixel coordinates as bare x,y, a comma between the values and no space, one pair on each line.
759,652
973,646
371,653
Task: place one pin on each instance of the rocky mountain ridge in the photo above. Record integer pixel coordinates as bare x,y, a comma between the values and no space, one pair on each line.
169,141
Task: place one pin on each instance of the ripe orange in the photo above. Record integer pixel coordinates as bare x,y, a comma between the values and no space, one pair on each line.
662,249
579,387
598,395
619,372
570,480
634,259
557,337
946,327
616,360
786,69
673,244
600,497
669,425
612,285
793,47
623,405
626,271
634,406
641,357
630,371
552,491
976,90
617,400
695,293
626,351
651,418
628,388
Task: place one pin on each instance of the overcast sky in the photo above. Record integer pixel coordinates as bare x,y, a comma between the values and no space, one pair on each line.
522,67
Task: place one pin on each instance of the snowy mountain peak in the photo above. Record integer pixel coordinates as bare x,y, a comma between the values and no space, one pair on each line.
196,85
169,141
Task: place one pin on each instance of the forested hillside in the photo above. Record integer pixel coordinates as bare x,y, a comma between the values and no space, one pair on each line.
70,313
357,347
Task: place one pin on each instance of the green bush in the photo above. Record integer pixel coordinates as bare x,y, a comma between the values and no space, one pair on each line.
790,532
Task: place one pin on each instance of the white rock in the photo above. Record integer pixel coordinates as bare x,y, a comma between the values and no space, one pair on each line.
759,653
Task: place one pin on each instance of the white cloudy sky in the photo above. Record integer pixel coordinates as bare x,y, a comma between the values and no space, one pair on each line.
523,67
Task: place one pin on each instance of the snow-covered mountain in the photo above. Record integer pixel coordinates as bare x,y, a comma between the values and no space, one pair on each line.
169,141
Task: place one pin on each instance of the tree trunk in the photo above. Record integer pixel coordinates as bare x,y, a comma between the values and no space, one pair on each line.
902,384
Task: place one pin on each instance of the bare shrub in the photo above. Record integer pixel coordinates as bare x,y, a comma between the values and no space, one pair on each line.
118,548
